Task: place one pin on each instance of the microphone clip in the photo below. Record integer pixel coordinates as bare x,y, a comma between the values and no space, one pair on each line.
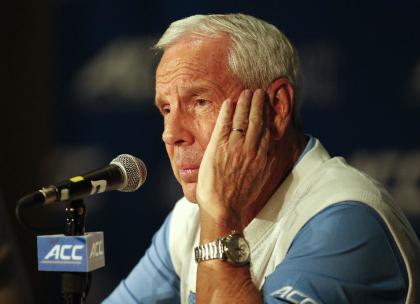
50,194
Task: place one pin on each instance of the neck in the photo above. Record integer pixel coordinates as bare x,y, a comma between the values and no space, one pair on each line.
284,155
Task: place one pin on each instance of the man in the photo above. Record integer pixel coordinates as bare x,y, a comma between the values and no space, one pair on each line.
268,216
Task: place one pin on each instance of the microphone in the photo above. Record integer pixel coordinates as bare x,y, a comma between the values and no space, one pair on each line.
124,173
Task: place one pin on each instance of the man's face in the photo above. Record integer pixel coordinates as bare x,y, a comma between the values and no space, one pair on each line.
192,81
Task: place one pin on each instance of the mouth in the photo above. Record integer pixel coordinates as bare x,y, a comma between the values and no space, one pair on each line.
189,173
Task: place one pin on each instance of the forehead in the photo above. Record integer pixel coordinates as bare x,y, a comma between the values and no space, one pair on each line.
193,61
206,52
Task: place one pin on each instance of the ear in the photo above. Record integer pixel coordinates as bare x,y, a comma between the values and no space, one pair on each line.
281,95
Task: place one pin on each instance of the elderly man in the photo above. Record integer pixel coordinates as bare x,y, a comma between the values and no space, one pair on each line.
268,216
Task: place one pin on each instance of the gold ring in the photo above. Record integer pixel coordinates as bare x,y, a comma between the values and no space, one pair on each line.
238,129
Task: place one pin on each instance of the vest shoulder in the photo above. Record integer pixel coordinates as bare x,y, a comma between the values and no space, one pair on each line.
184,218
337,175
182,231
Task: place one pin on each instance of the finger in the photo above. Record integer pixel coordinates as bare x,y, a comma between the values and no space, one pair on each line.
258,119
223,124
263,144
241,116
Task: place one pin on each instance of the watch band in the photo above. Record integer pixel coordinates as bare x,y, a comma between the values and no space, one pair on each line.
209,251
232,248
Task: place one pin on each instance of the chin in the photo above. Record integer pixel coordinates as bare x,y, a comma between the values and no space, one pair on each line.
189,192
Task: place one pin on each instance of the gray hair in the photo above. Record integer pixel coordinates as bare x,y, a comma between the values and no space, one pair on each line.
260,53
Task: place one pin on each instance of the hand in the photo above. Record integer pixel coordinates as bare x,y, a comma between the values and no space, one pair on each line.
235,165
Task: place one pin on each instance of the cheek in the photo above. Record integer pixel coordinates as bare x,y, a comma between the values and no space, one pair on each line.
204,127
170,152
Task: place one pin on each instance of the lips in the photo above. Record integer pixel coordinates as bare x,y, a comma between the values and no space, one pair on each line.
188,172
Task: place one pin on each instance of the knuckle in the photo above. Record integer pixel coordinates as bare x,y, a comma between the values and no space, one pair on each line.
256,121
244,121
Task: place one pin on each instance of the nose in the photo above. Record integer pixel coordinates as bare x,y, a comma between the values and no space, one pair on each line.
177,129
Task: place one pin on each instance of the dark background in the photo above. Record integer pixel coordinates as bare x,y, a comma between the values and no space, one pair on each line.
77,90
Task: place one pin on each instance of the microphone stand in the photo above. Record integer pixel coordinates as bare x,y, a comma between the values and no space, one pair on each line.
75,285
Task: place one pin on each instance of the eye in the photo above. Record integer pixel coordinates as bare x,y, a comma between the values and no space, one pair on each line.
202,105
165,110
202,102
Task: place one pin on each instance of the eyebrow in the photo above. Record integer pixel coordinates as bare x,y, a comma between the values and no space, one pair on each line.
191,91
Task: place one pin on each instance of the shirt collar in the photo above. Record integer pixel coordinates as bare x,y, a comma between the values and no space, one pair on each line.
309,145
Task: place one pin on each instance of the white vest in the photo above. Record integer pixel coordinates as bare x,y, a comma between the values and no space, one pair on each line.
316,182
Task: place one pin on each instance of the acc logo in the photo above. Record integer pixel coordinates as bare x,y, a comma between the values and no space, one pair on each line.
292,295
97,249
65,253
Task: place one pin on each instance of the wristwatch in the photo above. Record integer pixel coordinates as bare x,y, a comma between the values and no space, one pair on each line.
232,248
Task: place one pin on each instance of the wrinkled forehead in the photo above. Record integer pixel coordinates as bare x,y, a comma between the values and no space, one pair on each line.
210,53
191,67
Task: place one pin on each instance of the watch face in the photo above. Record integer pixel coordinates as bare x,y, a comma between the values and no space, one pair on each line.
237,249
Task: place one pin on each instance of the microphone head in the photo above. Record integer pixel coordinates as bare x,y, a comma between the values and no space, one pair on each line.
133,169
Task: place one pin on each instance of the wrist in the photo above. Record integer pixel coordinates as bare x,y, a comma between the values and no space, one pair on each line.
214,225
